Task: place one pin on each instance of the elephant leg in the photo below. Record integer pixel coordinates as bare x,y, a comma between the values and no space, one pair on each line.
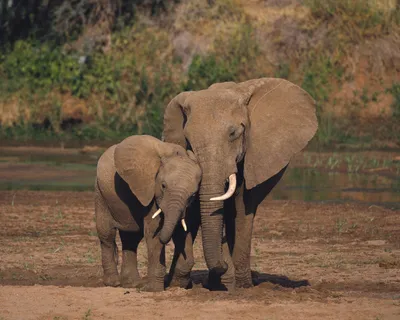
228,279
246,204
106,233
183,260
242,241
129,271
156,257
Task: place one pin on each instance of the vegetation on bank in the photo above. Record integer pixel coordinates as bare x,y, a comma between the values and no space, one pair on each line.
73,85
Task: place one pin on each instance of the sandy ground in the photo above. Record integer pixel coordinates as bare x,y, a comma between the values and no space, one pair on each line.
310,261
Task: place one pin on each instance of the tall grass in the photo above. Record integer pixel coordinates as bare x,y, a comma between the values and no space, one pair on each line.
357,19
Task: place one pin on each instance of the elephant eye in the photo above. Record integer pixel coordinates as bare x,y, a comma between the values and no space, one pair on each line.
163,185
235,132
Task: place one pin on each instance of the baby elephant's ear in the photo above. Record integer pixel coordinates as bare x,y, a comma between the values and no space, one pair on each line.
137,161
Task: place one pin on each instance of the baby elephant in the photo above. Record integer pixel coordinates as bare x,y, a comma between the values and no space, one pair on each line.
138,179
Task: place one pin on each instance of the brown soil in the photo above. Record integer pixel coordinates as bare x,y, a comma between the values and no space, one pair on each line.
310,261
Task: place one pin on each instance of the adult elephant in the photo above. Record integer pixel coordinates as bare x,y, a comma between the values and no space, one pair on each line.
246,132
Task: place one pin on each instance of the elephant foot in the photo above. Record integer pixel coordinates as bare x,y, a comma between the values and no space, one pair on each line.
151,287
244,280
147,285
181,282
111,280
229,281
128,283
130,277
243,283
226,282
214,285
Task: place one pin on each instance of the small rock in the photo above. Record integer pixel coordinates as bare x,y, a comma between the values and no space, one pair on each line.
376,242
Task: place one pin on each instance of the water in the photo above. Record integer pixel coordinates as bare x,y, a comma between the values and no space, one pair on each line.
313,184
40,169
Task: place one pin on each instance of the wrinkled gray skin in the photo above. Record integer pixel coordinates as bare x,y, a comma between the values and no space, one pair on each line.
251,129
134,178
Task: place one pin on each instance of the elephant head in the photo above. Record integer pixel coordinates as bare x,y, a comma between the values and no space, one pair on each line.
162,171
261,123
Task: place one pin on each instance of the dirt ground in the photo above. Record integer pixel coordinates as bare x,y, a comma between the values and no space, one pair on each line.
310,261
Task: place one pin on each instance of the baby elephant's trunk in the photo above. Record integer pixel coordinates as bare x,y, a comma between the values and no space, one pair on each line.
170,222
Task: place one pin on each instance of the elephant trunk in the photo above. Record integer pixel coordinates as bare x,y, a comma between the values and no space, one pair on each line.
171,218
212,222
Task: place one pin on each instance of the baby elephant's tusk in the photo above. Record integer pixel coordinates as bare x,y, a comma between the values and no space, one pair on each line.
184,224
156,213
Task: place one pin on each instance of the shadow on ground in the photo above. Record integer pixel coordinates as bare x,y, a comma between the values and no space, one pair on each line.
200,277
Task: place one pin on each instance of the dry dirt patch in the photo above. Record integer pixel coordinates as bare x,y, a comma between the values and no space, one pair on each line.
348,254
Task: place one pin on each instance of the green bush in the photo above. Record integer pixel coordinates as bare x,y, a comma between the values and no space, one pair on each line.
319,70
233,60
205,71
35,66
395,91
125,91
128,99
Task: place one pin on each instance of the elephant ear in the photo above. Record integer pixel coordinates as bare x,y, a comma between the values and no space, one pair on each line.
174,120
282,122
137,160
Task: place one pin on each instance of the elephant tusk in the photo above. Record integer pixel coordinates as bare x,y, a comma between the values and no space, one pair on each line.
156,213
231,189
184,224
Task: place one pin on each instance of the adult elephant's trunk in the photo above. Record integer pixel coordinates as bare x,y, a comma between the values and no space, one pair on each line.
212,185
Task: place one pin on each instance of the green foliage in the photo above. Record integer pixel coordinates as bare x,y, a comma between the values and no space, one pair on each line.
329,132
230,62
318,73
125,90
205,71
131,99
282,71
395,91
34,66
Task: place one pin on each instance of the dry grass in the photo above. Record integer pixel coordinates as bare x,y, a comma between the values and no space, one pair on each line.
207,23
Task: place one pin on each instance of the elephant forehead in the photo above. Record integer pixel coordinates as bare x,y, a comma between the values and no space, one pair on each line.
174,150
217,112
213,98
181,168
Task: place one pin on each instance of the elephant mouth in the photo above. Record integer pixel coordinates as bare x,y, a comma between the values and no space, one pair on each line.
182,218
231,189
